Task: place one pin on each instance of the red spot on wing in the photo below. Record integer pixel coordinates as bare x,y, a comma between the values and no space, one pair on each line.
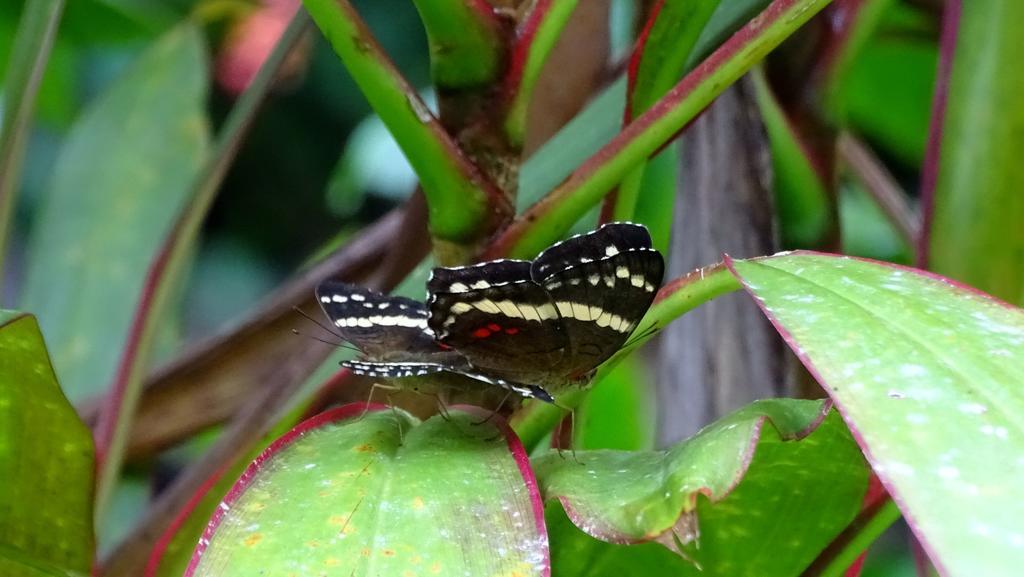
511,330
482,333
494,327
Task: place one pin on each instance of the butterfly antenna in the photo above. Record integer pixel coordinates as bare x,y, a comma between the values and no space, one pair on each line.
318,323
325,341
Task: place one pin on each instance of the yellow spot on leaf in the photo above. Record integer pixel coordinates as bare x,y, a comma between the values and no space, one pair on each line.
331,562
435,568
365,448
387,552
417,503
365,552
253,539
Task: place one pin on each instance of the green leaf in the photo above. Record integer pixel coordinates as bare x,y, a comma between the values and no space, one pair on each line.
576,554
928,374
975,233
779,478
118,184
46,462
380,494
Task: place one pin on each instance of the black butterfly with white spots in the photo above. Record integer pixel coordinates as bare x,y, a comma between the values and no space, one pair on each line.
530,327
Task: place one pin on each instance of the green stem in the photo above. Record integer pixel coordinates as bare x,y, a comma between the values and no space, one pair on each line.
466,48
537,37
116,418
675,299
552,216
32,45
854,541
462,202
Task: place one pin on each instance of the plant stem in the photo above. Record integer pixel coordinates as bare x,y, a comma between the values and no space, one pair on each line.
32,45
854,540
535,40
463,203
466,43
881,185
116,417
554,214
676,298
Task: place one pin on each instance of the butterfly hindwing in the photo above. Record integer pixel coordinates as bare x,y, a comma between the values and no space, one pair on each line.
602,283
497,317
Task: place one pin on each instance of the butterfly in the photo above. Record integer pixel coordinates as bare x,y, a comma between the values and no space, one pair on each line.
530,327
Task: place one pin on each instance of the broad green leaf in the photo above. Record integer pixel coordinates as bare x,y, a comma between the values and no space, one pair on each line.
928,373
978,205
779,478
576,554
118,184
381,494
46,462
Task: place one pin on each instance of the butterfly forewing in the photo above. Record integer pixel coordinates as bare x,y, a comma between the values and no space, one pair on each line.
381,326
602,283
497,317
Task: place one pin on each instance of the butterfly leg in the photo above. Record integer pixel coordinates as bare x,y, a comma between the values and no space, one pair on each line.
442,408
496,410
394,413
373,389
559,436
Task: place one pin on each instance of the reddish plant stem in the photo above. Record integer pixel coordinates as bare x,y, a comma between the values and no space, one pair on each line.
933,151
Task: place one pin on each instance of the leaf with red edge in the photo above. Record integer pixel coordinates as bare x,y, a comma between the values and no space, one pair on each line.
928,373
780,479
382,494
